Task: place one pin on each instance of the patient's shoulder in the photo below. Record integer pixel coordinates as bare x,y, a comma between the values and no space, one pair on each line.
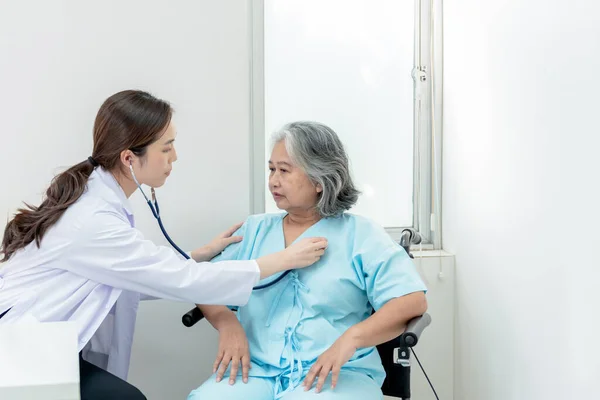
364,231
361,224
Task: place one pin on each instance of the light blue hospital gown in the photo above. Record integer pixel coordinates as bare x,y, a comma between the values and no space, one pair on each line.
290,324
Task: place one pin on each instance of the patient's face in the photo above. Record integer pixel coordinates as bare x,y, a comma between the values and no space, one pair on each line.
291,188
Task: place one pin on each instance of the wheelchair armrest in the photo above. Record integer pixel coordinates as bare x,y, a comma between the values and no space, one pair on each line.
414,329
191,317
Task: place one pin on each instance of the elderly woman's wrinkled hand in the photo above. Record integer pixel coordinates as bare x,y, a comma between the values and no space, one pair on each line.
331,361
234,350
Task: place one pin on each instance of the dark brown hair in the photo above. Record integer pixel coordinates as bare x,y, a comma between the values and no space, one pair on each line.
130,119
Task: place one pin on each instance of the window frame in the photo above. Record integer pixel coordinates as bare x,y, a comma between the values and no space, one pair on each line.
427,119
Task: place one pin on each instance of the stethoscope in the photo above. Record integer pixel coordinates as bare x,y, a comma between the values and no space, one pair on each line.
156,212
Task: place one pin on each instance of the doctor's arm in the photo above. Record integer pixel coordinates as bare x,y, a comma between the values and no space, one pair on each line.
207,252
109,251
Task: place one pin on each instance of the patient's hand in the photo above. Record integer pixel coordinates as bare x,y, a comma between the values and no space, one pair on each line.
233,348
331,361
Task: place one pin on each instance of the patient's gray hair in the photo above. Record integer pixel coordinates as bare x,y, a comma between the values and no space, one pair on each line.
317,149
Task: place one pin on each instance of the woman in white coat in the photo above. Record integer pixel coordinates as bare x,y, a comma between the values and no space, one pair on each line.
78,256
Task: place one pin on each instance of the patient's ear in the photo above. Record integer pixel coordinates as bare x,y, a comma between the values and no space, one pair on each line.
319,188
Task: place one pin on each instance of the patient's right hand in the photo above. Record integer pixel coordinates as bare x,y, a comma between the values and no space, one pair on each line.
234,349
305,252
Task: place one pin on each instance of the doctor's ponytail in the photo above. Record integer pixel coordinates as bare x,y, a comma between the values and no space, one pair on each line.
30,223
129,119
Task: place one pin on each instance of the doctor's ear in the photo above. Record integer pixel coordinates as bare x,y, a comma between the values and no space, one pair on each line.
127,157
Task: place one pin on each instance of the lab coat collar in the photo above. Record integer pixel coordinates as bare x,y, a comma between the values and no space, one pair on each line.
109,180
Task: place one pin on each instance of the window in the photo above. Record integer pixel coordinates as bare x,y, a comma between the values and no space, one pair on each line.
362,68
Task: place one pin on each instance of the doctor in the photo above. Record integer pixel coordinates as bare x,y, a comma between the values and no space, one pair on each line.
77,256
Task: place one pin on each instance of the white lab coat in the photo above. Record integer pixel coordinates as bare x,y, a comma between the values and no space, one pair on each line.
92,267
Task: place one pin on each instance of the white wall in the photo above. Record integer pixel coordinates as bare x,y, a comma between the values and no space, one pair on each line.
59,60
521,196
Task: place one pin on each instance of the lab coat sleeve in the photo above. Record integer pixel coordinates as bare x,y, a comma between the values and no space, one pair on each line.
111,252
387,269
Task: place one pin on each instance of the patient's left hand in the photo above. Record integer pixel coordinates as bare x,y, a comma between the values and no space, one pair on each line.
234,349
331,361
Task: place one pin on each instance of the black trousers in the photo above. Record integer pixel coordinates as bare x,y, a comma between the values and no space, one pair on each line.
98,384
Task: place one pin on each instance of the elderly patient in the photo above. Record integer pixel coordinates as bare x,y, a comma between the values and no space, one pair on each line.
314,330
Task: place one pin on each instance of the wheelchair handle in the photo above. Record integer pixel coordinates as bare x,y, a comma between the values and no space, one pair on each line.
409,236
190,318
414,329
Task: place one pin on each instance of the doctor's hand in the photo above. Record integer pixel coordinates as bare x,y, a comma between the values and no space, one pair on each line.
217,245
331,361
305,252
301,254
234,350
